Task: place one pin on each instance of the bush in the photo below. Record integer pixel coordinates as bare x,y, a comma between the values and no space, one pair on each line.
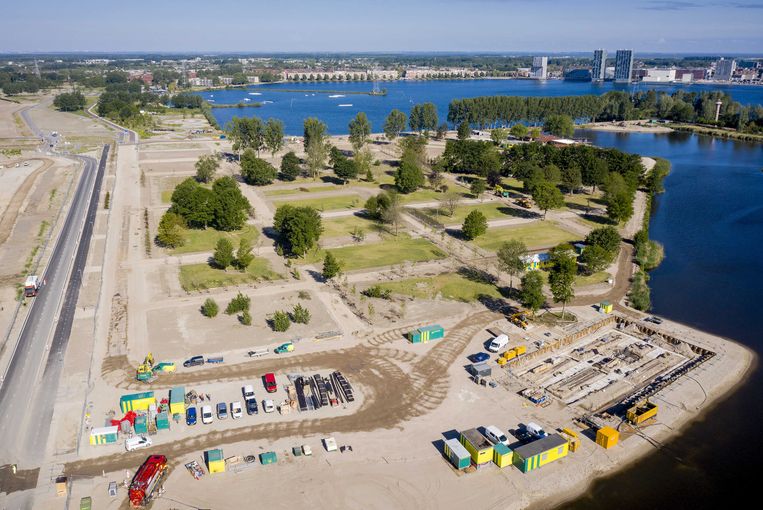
240,303
289,167
210,308
255,170
331,266
223,255
170,231
280,321
303,294
245,318
376,291
475,225
300,314
639,293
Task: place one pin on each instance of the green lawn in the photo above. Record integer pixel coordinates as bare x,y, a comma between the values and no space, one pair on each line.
491,210
585,280
351,201
536,235
429,195
448,285
384,253
168,185
344,226
204,276
197,240
293,191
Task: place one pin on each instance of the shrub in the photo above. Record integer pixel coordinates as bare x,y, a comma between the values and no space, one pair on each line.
475,225
238,304
210,308
280,321
300,314
376,291
245,318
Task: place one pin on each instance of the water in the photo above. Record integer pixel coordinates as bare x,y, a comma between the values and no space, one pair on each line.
711,222
294,107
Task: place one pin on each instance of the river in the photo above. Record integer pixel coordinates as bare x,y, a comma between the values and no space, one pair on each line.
293,102
710,220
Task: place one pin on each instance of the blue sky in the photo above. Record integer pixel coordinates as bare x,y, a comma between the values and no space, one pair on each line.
383,25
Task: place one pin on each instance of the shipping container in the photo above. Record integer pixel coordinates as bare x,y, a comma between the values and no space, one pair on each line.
480,448
268,458
502,455
540,452
136,401
426,333
104,435
215,460
606,307
177,400
607,437
162,421
140,424
641,412
457,454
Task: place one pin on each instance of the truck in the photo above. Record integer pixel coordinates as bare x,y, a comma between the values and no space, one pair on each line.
31,286
146,480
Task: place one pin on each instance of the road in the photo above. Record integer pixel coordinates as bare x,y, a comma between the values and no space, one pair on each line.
33,377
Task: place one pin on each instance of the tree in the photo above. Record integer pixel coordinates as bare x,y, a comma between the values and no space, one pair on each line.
240,303
331,266
300,314
552,174
572,179
474,225
605,237
450,201
289,166
510,261
408,177
562,277
363,161
392,210
435,179
360,130
70,101
559,125
209,308
477,187
317,152
518,131
547,196
170,230
442,130
255,170
594,258
230,207
223,255
246,133
244,255
273,136
345,168
498,135
314,131
464,131
206,166
299,228
394,124
531,296
280,321
619,206
423,117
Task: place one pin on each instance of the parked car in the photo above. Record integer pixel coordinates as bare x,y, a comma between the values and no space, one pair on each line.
194,362
269,380
251,406
284,348
137,443
653,319
222,411
190,416
480,357
535,430
495,435
498,343
206,415
235,410
268,406
248,392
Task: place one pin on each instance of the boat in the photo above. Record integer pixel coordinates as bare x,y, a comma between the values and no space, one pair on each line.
255,93
347,104
247,99
267,102
337,95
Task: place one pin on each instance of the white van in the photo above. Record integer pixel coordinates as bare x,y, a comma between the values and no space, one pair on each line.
495,435
206,415
498,343
137,443
535,430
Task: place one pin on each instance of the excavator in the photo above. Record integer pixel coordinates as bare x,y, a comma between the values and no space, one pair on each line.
519,319
147,370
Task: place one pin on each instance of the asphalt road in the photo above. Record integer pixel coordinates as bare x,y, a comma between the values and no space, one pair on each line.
28,391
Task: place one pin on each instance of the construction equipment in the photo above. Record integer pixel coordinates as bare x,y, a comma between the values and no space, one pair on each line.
519,319
572,438
146,480
147,370
524,202
500,191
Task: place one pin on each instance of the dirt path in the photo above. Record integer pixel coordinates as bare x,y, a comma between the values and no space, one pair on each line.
622,281
8,219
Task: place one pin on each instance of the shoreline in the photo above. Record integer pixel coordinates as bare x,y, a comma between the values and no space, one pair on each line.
630,126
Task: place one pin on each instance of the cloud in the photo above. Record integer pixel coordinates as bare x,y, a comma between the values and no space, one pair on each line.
675,5
748,5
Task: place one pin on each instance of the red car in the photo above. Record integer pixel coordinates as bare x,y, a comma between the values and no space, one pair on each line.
270,383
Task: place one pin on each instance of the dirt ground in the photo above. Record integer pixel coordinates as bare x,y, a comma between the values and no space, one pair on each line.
9,126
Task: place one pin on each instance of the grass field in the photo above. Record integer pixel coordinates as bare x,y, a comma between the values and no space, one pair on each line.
585,280
344,226
351,201
428,195
294,191
536,235
204,276
448,285
384,253
491,210
204,240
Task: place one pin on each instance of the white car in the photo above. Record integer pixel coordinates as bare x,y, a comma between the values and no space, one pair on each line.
498,343
495,435
137,443
235,410
206,415
248,392
268,406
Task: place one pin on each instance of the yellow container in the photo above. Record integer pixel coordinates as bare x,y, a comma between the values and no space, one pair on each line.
520,349
502,455
509,355
641,412
606,307
478,446
607,437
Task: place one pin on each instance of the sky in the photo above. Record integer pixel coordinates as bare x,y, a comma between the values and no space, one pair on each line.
670,26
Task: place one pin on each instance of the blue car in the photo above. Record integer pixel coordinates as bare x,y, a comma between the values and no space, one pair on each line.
479,357
190,416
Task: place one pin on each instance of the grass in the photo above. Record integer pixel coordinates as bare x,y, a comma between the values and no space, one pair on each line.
581,200
536,235
344,226
204,276
491,210
384,253
448,285
428,195
197,240
351,201
292,191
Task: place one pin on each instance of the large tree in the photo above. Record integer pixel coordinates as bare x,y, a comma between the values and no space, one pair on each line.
223,255
273,136
561,277
289,166
299,228
394,124
531,295
246,133
475,224
231,207
316,145
607,238
408,177
70,101
360,130
559,125
255,170
206,166
510,261
170,230
547,196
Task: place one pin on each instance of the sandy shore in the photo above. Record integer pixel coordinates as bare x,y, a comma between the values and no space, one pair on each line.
631,126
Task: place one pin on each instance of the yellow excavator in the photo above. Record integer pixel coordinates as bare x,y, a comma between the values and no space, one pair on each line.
519,319
147,370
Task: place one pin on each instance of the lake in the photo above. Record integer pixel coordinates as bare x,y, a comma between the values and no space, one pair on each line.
294,107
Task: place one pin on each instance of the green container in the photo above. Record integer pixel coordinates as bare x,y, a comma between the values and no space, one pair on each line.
140,424
163,421
268,458
426,333
86,503
215,455
296,451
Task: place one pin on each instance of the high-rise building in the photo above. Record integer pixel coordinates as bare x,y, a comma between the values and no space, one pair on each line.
623,66
724,69
599,65
540,67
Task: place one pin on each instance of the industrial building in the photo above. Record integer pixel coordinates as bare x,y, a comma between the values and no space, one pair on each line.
539,69
540,452
724,69
623,66
599,65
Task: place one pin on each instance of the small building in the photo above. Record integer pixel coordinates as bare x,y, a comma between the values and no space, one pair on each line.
104,435
177,400
268,458
141,426
478,446
535,261
502,455
606,307
215,460
426,333
457,454
162,421
607,437
137,401
641,412
540,452
480,370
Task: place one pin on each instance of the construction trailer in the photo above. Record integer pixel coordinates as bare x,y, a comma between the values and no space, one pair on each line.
457,454
540,452
572,438
424,334
607,437
606,307
502,455
104,435
162,421
141,424
137,401
177,400
215,460
268,458
641,412
478,446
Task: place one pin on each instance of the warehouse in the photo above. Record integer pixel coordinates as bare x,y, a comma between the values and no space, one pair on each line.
540,452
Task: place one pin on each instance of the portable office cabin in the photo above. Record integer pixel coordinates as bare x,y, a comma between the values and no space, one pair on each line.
426,333
137,401
502,455
141,426
607,437
177,400
215,461
457,454
478,446
162,421
606,307
104,435
540,452
268,458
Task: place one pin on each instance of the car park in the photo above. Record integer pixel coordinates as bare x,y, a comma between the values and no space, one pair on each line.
194,362
251,406
206,415
190,416
137,443
269,380
235,410
268,406
222,411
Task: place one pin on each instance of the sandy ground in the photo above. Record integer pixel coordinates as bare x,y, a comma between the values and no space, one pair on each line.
629,126
9,126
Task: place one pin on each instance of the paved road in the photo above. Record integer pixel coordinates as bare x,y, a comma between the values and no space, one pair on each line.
28,392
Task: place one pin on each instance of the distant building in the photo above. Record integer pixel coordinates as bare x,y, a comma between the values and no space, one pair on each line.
599,65
539,69
578,75
226,80
659,76
690,75
201,82
724,69
253,79
623,66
